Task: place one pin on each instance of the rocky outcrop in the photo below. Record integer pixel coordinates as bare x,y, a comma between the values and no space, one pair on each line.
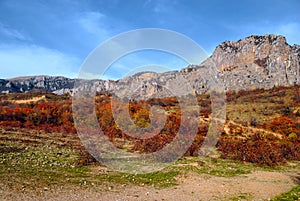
257,62
45,83
254,62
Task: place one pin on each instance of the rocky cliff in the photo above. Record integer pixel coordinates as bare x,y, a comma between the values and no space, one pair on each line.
45,83
253,62
257,61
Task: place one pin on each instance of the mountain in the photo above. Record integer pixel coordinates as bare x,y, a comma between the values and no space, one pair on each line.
254,62
54,84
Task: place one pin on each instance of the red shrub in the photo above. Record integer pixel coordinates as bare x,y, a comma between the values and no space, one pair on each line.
259,151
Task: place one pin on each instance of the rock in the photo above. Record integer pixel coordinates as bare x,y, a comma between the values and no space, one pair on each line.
257,62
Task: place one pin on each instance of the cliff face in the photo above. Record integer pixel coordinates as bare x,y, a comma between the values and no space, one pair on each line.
257,61
45,83
254,62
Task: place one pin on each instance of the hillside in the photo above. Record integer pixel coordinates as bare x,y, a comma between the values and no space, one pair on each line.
257,156
270,116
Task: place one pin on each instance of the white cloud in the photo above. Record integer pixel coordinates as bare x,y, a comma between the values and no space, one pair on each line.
93,23
13,33
146,3
35,60
160,7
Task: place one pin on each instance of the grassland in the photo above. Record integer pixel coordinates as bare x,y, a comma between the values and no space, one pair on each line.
30,164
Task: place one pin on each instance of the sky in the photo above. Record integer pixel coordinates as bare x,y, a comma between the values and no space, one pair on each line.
55,37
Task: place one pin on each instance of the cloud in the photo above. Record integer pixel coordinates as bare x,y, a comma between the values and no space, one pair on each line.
35,60
93,23
146,3
160,6
13,33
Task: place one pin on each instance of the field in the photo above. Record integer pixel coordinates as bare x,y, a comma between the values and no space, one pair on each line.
256,157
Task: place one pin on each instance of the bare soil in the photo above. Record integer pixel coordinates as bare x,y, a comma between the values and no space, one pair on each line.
259,185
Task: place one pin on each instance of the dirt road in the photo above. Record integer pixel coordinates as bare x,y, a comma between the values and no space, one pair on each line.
259,185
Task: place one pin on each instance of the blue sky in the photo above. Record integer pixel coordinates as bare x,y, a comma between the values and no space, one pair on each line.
54,37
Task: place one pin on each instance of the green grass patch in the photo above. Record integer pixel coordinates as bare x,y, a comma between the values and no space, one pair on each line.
226,167
161,179
216,167
243,196
45,166
39,166
293,194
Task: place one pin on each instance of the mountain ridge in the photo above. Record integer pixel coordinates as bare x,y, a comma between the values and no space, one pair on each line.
252,62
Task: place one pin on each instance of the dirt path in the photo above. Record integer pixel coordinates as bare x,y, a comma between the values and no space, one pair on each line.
30,100
260,185
248,129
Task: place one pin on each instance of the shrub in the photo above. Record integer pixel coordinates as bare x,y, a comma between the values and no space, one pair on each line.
259,150
283,125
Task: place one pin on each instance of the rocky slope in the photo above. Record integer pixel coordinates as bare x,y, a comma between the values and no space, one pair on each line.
45,83
254,62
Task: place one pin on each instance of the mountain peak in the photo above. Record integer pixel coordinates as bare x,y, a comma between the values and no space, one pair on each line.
260,50
257,61
269,40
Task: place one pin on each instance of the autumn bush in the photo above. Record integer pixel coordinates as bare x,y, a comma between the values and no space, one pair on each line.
49,116
259,149
283,125
55,115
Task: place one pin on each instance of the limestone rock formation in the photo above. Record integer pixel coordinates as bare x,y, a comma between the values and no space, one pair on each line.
257,62
254,62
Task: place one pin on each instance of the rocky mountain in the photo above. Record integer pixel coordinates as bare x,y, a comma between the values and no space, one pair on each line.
254,62
54,84
257,61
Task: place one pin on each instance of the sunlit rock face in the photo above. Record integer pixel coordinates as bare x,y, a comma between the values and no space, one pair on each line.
257,61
